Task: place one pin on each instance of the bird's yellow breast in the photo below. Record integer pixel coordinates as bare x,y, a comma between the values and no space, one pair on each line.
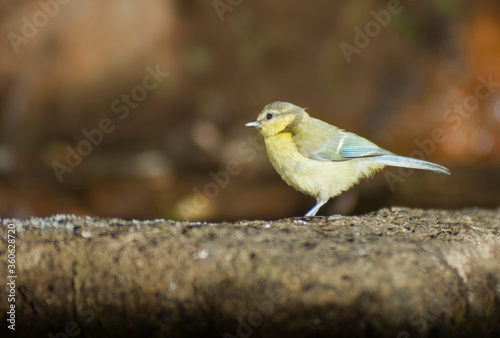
315,178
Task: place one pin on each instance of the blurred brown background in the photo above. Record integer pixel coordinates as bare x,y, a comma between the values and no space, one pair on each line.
69,67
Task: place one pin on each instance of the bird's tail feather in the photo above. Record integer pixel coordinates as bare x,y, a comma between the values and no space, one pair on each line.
408,162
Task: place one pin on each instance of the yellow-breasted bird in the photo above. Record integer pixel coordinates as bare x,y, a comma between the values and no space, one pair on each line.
319,159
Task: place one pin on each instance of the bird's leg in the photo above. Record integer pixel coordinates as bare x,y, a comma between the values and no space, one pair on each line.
315,209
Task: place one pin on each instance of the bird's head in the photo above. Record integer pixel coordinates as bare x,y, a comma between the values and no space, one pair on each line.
276,117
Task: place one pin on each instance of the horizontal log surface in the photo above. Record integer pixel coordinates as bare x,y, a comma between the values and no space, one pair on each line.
395,273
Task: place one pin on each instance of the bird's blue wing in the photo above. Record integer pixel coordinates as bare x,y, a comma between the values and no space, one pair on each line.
355,146
320,141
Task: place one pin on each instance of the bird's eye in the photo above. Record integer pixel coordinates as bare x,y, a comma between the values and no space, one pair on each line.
269,116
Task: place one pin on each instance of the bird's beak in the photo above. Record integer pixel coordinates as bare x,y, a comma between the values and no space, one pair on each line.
253,124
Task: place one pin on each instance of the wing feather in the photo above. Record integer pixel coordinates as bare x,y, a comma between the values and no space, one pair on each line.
320,141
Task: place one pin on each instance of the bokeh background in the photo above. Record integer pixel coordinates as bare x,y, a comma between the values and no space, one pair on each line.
64,64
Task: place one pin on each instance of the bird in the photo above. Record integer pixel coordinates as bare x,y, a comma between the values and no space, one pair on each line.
319,159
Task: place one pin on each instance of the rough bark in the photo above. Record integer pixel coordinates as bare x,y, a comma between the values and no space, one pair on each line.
394,273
